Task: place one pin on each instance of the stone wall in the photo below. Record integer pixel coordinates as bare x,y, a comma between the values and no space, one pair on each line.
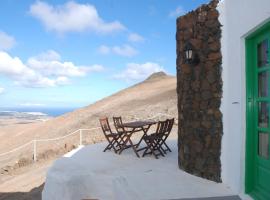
199,89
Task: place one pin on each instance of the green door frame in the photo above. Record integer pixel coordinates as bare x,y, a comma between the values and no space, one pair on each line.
250,105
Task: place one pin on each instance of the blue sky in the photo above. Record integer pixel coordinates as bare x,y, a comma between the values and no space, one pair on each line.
72,53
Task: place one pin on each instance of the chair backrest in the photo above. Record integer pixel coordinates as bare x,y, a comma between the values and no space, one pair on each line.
161,127
104,123
170,125
118,124
164,127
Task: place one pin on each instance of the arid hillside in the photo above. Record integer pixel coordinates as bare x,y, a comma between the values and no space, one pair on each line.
157,94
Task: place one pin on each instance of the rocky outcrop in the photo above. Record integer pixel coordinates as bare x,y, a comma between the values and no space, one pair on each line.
199,89
156,76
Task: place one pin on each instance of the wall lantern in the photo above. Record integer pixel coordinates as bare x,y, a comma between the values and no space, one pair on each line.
191,57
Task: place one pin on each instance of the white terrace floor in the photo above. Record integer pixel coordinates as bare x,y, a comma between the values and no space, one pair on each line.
89,173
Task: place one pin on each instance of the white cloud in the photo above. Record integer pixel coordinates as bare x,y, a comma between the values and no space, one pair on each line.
124,50
135,72
2,90
103,49
16,70
72,17
177,12
42,70
55,68
30,104
94,68
6,41
62,80
134,37
48,56
49,64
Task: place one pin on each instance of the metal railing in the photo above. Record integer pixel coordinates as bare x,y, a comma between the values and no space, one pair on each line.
80,131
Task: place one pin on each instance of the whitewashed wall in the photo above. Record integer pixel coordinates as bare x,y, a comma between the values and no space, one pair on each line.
239,18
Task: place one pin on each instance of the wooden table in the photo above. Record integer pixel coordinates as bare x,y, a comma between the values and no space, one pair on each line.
131,128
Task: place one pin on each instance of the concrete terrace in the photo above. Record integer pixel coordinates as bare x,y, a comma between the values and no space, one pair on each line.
88,173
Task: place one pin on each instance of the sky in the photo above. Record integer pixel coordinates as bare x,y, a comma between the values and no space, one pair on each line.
73,53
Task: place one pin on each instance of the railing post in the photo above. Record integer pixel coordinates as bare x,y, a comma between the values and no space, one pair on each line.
35,151
80,136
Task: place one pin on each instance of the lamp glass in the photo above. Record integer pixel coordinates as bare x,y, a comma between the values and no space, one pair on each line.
187,54
190,54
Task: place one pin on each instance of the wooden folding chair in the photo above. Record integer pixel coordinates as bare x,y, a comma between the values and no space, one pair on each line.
125,140
162,143
112,138
118,124
156,142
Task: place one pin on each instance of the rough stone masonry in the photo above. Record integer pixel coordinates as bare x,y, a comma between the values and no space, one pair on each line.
199,89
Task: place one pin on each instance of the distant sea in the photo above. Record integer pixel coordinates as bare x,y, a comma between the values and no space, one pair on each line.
53,112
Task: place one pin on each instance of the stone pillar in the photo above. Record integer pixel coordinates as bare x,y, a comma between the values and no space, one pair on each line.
199,89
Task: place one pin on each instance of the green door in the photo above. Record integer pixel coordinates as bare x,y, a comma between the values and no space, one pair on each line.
258,120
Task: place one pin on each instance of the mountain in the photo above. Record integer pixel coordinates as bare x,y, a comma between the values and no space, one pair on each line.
157,94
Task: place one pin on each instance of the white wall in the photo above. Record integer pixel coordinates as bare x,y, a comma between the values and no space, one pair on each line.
239,18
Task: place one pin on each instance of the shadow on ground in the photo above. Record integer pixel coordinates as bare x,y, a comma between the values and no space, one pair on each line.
215,198
34,194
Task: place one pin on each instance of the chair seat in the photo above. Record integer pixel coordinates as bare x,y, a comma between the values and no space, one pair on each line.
114,134
152,136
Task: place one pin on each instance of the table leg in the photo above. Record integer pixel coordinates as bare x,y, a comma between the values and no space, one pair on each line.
134,148
125,146
145,130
